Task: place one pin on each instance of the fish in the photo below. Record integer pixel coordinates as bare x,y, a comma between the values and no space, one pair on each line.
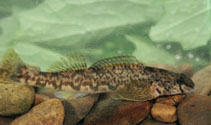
125,76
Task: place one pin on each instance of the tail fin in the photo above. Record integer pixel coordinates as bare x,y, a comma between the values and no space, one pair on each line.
10,64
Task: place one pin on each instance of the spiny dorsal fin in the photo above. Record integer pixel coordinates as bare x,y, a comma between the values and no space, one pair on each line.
11,62
117,60
75,62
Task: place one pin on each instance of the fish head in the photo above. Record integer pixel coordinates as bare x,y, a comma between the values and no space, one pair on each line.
180,84
186,85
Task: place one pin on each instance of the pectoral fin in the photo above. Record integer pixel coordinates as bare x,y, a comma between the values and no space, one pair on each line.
137,91
68,95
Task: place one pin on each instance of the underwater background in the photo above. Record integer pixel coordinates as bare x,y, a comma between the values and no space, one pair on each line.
155,31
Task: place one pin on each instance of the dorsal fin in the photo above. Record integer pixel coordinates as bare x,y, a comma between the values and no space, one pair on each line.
117,60
10,64
75,62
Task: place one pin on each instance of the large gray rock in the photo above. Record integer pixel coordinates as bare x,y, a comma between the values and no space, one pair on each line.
195,110
15,99
202,80
50,112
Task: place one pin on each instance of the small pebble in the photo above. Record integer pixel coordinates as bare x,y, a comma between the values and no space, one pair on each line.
164,112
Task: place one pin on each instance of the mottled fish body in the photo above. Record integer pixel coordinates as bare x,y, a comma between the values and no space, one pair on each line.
124,75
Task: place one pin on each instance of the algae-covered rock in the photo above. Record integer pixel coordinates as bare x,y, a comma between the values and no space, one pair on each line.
15,99
50,112
116,112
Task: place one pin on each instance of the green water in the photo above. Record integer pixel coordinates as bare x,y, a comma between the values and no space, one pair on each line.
155,31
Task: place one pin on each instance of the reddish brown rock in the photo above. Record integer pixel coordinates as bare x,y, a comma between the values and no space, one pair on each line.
170,100
195,110
116,112
50,112
164,112
77,109
39,98
202,80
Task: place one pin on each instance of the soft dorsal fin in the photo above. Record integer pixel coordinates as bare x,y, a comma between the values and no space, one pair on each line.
117,60
75,62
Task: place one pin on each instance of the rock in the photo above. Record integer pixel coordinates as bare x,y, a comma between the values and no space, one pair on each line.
202,80
170,100
50,112
39,98
195,110
6,120
150,121
164,112
105,96
77,109
117,112
15,99
187,69
165,66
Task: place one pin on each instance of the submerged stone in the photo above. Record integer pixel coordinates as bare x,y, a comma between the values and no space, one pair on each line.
170,100
77,109
150,121
39,98
164,112
50,112
6,120
195,110
202,80
15,99
117,112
